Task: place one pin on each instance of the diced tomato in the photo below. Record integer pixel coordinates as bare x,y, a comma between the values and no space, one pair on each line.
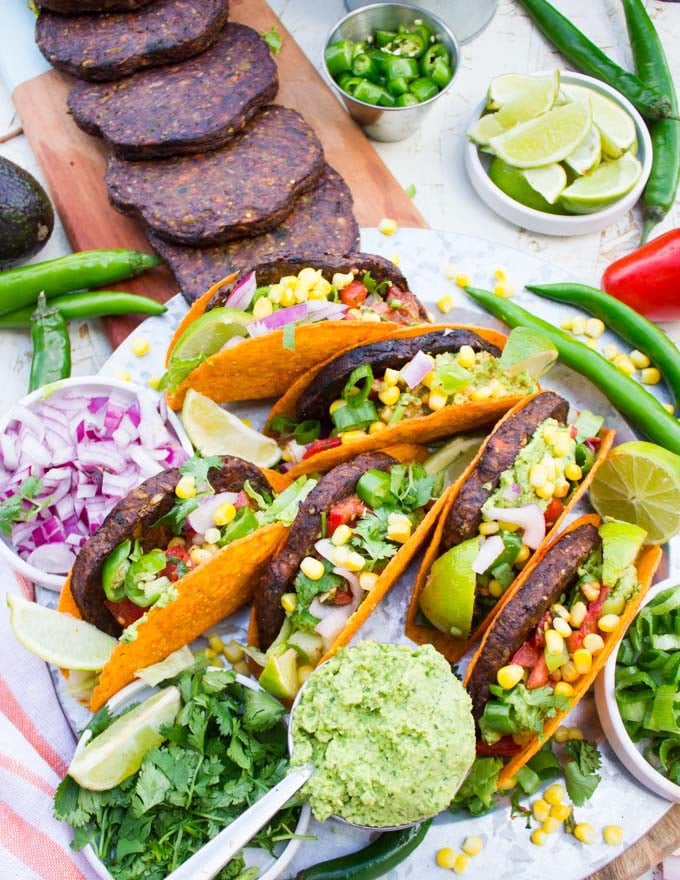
319,445
125,611
527,656
573,432
539,674
354,295
553,512
575,641
241,500
345,512
505,746
406,312
589,624
594,442
342,597
595,606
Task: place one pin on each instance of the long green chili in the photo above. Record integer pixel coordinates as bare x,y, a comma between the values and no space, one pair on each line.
88,304
51,346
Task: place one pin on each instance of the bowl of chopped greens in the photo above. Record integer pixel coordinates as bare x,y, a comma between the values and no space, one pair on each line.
637,693
159,771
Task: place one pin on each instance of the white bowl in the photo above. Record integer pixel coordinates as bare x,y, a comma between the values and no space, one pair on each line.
477,165
610,719
89,385
270,868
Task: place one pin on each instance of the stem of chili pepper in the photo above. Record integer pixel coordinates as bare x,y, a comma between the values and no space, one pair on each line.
89,304
588,58
636,404
651,64
51,359
20,287
630,325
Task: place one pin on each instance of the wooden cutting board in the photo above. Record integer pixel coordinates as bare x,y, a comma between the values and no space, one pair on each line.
73,163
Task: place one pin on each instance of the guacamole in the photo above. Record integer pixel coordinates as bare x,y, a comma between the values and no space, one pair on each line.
389,731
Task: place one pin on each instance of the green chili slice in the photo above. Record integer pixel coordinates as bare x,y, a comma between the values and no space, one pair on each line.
354,393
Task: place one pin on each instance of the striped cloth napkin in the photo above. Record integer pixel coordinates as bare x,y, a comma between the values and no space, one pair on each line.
36,745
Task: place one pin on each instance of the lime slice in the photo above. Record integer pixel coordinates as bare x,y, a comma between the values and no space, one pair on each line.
448,598
548,138
118,752
608,183
453,457
173,664
507,87
59,638
215,431
529,350
586,157
537,98
280,676
639,483
484,129
513,182
616,127
207,334
548,181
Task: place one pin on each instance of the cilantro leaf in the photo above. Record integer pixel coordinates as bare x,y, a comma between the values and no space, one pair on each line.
307,589
198,468
284,508
412,486
151,788
14,509
478,791
178,370
370,535
411,190
273,39
580,771
176,516
262,711
67,803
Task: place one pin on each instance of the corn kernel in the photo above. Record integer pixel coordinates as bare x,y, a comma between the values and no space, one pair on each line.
575,733
538,475
551,825
472,845
233,651
355,561
538,837
483,393
668,407
224,514
301,293
466,356
462,280
309,276
317,294
594,327
186,487
210,654
341,535
177,542
639,359
336,405
560,611
140,346
352,436
612,835
593,642
216,643
263,307
437,400
289,602
389,396
398,528
547,490
387,226
523,554
567,322
212,536
562,444
507,526
446,857
312,568
569,672
242,668
561,626
395,258
304,672
578,614
554,643
650,376
374,427
582,660
573,472
578,325
561,812
460,866
154,382
554,794
391,377
610,351
367,580
623,362
562,488
590,341
507,784
564,689
585,833
445,304
561,735
495,588
287,297
540,810
123,375
608,622
504,290
591,590
339,280
501,274
510,675
321,288
488,528
198,555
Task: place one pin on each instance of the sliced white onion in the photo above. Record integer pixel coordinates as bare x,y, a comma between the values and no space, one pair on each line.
201,519
529,517
325,548
333,624
489,552
417,368
243,292
318,310
295,451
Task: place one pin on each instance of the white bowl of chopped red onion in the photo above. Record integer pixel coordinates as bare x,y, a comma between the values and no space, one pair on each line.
82,444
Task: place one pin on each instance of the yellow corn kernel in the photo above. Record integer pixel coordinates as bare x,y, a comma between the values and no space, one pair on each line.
304,672
466,357
575,733
387,226
593,643
610,351
594,327
398,528
317,294
483,393
538,837
608,622
394,258
310,276
154,382
355,561
472,845
639,359
352,436
321,288
242,668
582,660
216,643
495,588
391,377
503,290
540,810
210,654
590,342
186,487
140,346
561,735
564,689
389,396
341,535
446,857
430,380
289,602
233,651
451,271
507,526
445,303
510,675
561,626
460,866
521,739
263,307
123,375
560,611
578,614
551,825
585,833
668,407
562,444
578,325
538,475
301,293
462,280
523,555
554,643
488,528
562,488
573,472
612,835
275,292
437,400
374,427
501,274
550,433
199,555
287,297
650,376
547,490
591,590
623,362
340,554
177,542
336,405
561,812
313,568
367,580
554,794
212,536
224,514
339,280
507,784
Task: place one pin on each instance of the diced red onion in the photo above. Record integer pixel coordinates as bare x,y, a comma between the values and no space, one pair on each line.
201,519
318,310
529,518
417,368
243,292
278,319
333,624
512,492
52,558
353,581
489,552
28,418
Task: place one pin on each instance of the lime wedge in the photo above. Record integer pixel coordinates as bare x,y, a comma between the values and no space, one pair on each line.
484,129
515,183
548,181
616,127
639,483
586,157
118,752
207,334
529,350
280,676
537,98
454,456
608,183
448,598
509,86
59,638
548,138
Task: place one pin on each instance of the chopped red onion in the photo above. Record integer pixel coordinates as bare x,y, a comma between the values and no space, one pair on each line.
279,319
318,310
416,369
52,558
201,519
243,292
529,517
489,552
512,492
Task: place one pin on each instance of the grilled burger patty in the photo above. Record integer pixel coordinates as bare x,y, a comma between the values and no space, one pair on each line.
68,7
134,517
115,44
522,613
245,188
390,353
321,221
183,108
503,447
278,578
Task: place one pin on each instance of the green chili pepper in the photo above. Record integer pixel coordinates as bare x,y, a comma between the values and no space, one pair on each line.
424,32
114,570
651,65
365,66
406,68
408,45
406,100
640,332
383,38
423,89
373,487
51,359
371,93
89,304
382,855
353,394
588,58
351,84
584,457
20,287
379,57
397,87
497,717
433,54
636,404
441,75
338,57
141,577
307,431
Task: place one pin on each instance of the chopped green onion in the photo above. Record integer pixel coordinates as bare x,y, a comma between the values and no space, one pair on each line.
348,418
353,393
307,431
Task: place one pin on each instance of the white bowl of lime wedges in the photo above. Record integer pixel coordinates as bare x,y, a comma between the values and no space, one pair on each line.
557,152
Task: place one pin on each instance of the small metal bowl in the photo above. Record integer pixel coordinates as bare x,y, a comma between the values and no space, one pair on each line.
389,123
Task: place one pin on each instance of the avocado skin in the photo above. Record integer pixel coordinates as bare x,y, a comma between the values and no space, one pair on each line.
26,215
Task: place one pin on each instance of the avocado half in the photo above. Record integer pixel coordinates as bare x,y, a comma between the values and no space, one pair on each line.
26,215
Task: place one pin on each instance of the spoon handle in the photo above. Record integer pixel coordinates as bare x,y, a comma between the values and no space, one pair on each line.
211,858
